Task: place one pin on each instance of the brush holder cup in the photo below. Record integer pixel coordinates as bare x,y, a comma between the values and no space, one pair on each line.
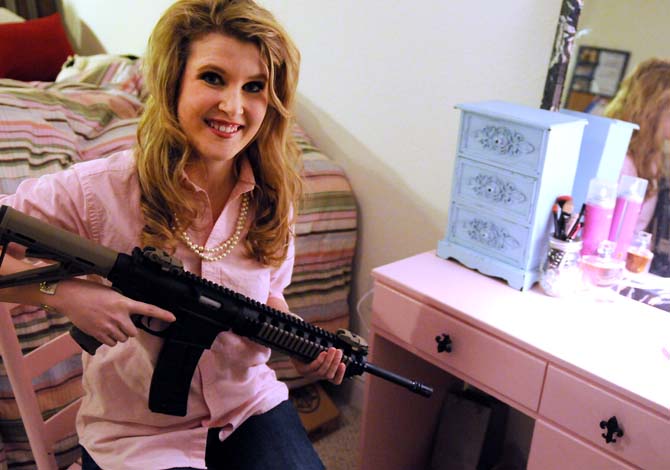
561,274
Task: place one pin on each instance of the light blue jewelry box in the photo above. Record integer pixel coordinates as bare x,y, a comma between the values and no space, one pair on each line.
602,153
512,162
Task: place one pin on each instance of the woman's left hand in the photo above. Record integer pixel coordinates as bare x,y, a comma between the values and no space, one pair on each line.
328,365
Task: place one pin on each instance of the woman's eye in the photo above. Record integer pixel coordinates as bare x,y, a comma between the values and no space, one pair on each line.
254,87
211,78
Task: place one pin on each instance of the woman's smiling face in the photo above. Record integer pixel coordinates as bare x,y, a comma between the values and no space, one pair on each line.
223,96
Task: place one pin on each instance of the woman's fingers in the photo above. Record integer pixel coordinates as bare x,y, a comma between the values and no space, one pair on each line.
119,336
328,368
339,375
111,333
104,339
128,327
327,365
152,311
108,319
125,328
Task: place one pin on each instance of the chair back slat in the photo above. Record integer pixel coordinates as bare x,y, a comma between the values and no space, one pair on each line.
49,354
21,370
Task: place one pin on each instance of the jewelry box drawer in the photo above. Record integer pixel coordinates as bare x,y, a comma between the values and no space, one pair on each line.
591,412
475,229
503,143
452,343
495,189
552,449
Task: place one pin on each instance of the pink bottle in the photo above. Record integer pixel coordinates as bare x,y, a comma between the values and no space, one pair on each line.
626,212
598,212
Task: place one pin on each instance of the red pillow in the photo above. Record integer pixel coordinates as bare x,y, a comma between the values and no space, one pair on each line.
34,49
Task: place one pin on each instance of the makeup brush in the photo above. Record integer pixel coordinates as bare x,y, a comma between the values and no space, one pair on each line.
572,231
566,212
554,214
561,200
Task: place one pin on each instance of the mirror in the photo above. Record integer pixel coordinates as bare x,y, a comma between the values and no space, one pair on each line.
612,37
607,25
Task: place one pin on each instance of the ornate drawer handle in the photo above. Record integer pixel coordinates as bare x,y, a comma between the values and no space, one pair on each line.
613,428
443,343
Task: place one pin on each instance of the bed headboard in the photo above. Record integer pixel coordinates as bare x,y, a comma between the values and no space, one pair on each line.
31,9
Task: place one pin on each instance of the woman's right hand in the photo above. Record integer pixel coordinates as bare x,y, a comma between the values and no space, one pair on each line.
100,311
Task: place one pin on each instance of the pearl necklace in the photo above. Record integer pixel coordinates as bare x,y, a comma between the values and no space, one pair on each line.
224,248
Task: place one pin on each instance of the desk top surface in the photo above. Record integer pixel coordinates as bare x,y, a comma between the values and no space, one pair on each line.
619,343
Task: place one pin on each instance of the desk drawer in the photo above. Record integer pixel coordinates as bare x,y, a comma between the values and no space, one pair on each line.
503,143
552,449
580,407
507,370
495,189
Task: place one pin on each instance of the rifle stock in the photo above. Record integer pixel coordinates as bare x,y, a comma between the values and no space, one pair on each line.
202,308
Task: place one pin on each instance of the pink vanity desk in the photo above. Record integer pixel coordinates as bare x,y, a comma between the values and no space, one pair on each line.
569,364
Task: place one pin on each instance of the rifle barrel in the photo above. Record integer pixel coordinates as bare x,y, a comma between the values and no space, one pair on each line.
411,385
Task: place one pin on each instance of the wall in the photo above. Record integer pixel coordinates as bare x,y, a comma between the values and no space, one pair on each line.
379,82
117,27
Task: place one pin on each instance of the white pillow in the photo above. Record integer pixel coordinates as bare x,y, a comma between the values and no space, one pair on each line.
7,16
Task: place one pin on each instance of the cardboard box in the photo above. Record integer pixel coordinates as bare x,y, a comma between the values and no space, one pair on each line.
317,411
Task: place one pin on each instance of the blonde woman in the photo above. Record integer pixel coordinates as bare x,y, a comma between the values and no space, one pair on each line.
214,180
644,98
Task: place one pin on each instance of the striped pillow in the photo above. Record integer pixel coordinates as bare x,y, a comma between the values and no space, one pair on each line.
123,72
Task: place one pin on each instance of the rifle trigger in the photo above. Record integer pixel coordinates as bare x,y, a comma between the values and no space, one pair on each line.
145,323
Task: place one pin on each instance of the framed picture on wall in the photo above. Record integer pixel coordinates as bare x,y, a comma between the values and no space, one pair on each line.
596,76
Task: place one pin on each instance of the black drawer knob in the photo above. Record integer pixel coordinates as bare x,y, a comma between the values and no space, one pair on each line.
612,426
443,343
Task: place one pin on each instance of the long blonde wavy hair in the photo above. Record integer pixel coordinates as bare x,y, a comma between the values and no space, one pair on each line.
643,98
163,150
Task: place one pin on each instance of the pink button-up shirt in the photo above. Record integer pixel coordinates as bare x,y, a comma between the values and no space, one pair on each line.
99,200
649,205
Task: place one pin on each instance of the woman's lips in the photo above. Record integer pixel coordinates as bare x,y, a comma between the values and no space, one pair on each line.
222,127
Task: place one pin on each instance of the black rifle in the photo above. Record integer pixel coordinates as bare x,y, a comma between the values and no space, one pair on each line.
202,308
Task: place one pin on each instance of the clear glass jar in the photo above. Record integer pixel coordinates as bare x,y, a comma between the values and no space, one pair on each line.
561,274
603,270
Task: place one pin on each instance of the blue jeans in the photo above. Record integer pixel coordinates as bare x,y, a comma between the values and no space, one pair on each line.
275,440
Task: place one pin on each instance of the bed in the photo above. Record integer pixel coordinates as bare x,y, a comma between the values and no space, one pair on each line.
65,108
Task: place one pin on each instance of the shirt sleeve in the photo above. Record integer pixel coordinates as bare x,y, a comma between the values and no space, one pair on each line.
280,277
628,168
57,199
649,205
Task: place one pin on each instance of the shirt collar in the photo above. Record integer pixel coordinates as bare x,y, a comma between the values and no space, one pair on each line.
245,181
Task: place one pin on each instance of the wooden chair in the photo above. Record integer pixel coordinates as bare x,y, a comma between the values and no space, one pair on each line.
21,370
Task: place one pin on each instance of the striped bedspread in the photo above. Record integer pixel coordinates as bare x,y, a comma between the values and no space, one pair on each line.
46,127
